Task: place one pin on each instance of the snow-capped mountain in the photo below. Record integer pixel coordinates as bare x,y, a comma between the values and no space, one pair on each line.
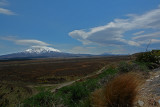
40,52
41,49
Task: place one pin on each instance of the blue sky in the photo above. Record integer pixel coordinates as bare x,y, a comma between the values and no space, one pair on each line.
80,26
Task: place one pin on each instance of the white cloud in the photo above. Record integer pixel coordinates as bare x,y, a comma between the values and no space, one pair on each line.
26,42
113,33
3,3
6,11
82,50
155,41
25,45
151,41
138,33
147,36
30,42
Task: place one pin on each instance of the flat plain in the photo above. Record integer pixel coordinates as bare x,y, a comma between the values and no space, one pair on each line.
53,70
21,79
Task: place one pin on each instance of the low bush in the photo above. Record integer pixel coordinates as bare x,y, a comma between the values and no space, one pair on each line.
124,67
151,58
72,95
42,99
77,94
134,66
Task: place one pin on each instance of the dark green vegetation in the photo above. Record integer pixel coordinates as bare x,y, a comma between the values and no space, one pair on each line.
42,99
76,95
11,95
125,67
143,62
151,59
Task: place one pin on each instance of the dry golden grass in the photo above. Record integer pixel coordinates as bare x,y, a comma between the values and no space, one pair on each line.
119,92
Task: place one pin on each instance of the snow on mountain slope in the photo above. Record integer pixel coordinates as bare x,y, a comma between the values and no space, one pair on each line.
41,49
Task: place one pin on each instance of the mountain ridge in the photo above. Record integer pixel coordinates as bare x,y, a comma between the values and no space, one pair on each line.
44,52
40,52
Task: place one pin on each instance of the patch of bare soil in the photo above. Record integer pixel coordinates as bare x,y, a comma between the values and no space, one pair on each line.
149,92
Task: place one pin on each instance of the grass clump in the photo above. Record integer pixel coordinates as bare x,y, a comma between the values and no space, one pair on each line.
72,95
119,92
125,67
42,99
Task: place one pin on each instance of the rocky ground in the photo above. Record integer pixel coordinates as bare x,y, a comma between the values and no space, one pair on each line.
149,92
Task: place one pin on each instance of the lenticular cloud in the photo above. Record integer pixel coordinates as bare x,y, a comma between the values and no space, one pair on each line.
113,32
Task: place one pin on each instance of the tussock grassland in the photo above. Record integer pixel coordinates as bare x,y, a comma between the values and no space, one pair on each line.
121,91
20,81
53,71
11,94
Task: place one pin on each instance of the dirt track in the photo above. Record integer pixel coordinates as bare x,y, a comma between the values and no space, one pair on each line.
71,82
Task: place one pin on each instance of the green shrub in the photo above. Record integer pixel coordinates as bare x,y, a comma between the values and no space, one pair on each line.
134,66
42,99
151,58
139,66
77,93
109,71
74,94
124,67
